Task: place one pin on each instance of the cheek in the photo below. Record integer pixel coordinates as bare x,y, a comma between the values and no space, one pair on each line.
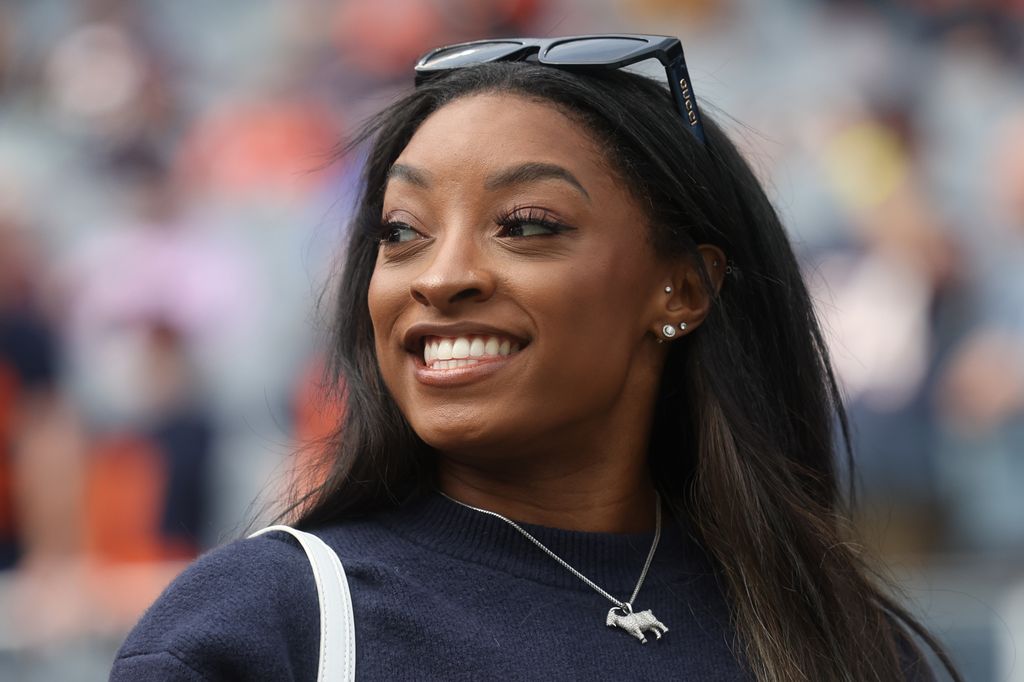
606,298
376,301
384,300
593,324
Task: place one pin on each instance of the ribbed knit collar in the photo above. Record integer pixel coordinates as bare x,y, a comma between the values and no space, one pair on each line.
612,560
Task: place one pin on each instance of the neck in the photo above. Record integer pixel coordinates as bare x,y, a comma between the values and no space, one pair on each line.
590,475
602,502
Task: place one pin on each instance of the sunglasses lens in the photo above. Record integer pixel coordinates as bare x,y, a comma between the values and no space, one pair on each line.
582,51
458,56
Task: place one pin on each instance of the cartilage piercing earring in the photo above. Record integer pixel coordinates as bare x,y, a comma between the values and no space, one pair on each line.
669,331
668,290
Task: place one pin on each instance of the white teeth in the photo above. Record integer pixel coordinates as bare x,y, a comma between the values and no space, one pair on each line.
462,351
452,364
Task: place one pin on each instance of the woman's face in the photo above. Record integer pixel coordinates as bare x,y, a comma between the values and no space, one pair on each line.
515,291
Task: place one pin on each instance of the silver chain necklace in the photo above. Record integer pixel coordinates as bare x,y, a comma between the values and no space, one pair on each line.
621,615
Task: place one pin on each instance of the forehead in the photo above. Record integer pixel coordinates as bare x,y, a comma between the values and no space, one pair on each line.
482,131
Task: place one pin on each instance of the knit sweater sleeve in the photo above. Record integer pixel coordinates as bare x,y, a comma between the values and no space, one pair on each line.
247,610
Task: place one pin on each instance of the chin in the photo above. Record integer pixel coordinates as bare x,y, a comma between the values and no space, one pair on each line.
466,436
448,438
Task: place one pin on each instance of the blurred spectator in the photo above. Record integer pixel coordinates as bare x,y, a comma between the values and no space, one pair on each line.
260,150
984,386
28,372
161,264
884,285
981,394
106,78
148,485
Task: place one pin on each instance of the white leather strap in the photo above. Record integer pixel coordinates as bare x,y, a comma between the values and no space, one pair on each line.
337,625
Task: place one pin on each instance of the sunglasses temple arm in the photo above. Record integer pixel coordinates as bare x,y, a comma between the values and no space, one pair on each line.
682,90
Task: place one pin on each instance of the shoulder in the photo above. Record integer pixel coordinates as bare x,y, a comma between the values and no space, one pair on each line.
247,606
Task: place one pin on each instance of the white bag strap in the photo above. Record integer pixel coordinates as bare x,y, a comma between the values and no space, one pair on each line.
337,625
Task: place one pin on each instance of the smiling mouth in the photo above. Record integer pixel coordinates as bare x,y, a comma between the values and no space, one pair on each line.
450,352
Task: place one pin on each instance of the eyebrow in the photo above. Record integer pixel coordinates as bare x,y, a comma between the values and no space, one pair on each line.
533,171
411,174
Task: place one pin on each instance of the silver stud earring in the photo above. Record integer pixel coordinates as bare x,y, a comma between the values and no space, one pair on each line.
668,290
682,326
669,331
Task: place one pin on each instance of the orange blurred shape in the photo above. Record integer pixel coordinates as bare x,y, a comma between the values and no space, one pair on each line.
385,37
258,147
125,492
317,417
693,10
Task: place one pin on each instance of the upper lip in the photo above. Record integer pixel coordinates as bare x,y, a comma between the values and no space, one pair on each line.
414,335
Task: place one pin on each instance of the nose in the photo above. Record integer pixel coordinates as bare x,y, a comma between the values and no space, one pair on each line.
456,272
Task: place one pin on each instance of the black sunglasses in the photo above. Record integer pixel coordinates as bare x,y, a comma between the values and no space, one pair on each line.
576,52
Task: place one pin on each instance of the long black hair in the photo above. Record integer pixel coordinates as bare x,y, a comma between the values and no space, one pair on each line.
744,439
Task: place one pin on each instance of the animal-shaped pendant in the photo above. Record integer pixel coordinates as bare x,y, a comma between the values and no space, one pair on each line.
635,623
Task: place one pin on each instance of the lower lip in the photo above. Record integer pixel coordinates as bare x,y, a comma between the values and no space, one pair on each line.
459,376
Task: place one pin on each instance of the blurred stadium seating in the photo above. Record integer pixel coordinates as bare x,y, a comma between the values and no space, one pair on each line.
169,215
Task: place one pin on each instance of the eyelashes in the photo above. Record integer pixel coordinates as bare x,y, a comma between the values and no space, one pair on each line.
529,221
519,222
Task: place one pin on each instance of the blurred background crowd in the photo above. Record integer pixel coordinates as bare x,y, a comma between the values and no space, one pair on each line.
170,212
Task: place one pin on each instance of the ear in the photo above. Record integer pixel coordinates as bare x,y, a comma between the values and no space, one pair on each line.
689,301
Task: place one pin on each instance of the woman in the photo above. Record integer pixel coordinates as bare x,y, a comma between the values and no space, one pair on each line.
567,302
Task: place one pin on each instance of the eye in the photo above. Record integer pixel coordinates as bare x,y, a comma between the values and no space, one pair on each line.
397,233
529,222
528,230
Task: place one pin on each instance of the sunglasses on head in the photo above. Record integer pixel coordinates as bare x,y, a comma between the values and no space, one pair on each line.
576,52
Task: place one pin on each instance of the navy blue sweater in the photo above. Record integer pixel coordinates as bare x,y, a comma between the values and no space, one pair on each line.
440,592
